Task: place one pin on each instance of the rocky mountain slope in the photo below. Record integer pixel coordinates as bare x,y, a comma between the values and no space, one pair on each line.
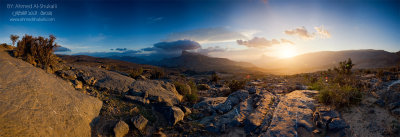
35,103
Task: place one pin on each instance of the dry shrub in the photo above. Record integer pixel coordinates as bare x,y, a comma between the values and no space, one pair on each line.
38,51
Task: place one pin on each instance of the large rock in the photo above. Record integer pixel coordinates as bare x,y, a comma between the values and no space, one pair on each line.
35,103
293,111
256,118
156,91
103,79
233,99
172,114
233,118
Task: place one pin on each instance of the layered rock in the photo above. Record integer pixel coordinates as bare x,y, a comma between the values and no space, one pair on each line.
35,103
294,110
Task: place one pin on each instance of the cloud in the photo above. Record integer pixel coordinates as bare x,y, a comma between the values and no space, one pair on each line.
301,32
177,45
209,50
258,42
287,41
205,35
121,49
154,19
97,38
62,49
322,32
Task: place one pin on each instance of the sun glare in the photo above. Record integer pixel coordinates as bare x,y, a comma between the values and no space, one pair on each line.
287,52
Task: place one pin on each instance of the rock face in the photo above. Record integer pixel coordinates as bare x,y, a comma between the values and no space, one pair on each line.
293,111
35,103
121,129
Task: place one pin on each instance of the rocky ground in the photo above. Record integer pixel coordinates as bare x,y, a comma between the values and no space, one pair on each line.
267,106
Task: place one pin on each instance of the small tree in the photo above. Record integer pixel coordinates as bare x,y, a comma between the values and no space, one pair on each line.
214,77
344,67
14,38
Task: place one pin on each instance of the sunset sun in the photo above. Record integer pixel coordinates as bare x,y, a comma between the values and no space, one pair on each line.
287,52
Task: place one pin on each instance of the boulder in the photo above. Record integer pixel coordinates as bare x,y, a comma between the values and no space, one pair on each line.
294,110
256,118
35,103
140,122
233,99
323,115
103,79
233,118
157,91
172,114
121,129
177,115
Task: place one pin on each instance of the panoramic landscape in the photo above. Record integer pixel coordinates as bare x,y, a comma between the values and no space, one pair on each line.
199,68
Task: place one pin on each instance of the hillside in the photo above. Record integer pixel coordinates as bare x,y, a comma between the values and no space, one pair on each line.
316,61
202,63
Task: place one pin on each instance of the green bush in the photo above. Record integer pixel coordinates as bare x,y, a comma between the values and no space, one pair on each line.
189,90
192,98
182,88
136,72
157,74
235,85
339,96
342,88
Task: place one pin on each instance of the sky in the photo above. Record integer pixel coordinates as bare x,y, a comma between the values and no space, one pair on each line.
242,30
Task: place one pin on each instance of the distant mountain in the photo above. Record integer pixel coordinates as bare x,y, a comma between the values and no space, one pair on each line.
131,59
201,63
123,66
327,59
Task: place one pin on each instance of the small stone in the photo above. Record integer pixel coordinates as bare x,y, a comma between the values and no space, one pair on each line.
121,129
316,131
78,84
186,110
337,124
159,134
134,110
140,122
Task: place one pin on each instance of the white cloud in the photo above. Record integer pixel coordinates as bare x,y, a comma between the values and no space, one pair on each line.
258,42
300,32
322,32
207,35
